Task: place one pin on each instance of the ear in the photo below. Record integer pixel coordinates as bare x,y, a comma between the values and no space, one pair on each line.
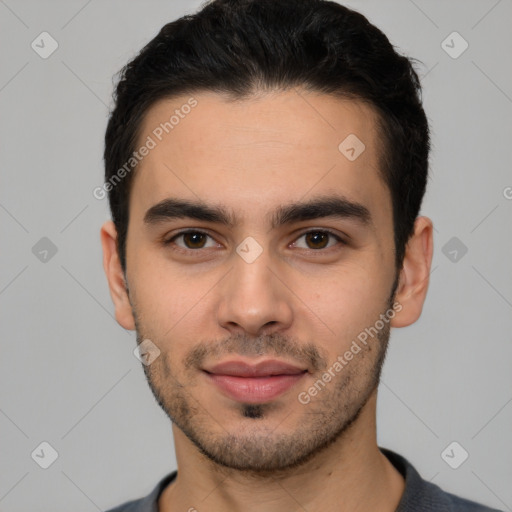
415,274
115,276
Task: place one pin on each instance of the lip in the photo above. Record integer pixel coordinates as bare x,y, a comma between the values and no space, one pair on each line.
258,383
239,368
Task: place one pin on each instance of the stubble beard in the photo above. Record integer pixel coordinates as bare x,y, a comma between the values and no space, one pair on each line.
258,449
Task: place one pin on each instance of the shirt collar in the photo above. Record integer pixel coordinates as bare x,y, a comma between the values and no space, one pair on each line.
417,493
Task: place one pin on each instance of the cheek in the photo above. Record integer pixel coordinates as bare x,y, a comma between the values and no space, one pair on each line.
347,302
160,299
170,301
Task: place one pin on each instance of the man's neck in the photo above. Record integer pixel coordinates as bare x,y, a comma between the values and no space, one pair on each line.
351,474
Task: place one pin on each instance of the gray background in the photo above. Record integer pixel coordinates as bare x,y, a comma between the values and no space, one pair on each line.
69,376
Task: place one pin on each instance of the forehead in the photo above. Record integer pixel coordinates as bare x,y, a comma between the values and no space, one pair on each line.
259,152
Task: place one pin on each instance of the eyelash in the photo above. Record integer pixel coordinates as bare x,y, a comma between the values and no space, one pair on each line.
170,241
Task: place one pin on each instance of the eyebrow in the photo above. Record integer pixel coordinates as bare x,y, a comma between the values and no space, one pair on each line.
320,207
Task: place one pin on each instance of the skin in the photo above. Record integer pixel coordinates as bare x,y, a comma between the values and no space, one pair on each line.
299,301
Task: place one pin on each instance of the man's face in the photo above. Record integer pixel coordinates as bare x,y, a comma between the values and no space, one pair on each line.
269,286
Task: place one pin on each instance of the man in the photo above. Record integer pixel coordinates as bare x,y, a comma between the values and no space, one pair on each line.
266,162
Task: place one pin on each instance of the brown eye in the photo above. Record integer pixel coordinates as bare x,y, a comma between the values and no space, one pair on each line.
319,239
194,240
191,240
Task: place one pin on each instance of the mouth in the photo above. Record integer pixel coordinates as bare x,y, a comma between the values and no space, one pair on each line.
258,383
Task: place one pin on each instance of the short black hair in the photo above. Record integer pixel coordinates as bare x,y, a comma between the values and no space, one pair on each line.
241,47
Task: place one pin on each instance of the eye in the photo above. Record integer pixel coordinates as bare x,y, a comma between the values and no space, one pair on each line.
318,239
192,240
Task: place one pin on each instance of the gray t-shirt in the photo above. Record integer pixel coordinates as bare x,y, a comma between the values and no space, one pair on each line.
419,495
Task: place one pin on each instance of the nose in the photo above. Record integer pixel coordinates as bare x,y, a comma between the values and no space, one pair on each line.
254,299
